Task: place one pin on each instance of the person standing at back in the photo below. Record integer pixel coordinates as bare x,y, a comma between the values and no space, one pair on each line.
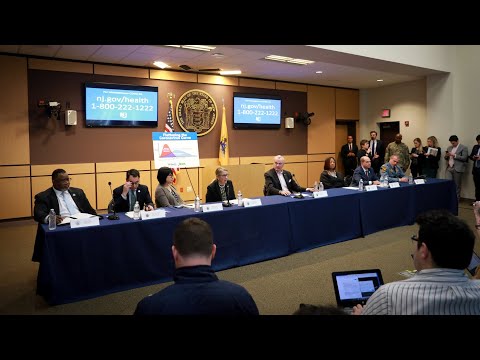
197,289
349,156
441,251
432,157
125,196
279,181
378,151
456,156
65,200
221,189
399,148
475,157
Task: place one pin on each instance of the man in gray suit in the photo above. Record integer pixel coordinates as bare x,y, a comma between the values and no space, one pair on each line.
457,157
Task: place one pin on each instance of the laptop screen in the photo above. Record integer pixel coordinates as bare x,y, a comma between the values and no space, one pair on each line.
355,286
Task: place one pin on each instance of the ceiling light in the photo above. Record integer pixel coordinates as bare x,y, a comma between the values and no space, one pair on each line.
319,72
380,80
218,55
195,47
231,72
160,64
289,60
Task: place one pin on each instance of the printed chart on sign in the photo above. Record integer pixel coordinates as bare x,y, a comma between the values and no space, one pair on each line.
175,149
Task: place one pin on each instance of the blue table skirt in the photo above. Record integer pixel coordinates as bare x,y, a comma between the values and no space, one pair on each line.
87,262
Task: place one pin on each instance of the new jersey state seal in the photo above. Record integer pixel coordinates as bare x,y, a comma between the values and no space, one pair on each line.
197,111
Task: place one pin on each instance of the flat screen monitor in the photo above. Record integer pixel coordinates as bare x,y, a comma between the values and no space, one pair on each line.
253,111
118,105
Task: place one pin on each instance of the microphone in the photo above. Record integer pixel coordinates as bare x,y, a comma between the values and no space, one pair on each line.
114,216
299,195
226,204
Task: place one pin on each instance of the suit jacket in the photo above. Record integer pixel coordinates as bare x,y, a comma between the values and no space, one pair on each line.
165,198
460,159
122,205
359,173
474,152
349,162
214,194
330,181
273,186
379,149
47,200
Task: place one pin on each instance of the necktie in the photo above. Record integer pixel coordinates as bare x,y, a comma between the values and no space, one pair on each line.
373,148
69,203
366,173
133,199
350,147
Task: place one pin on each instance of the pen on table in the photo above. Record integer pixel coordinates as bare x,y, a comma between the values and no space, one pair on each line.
71,217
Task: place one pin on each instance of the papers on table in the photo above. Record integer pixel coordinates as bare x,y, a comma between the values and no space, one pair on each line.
68,219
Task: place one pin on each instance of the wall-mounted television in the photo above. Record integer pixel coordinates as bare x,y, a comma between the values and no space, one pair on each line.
118,105
254,111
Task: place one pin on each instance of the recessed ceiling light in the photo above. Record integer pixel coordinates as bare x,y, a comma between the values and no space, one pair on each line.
319,72
218,55
380,80
160,64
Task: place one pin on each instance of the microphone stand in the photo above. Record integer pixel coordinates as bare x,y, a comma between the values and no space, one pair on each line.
194,193
227,204
114,216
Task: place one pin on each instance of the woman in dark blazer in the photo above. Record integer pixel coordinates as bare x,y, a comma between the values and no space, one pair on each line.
221,188
330,177
432,157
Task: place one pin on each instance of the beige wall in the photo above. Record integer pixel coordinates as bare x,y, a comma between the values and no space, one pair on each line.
407,101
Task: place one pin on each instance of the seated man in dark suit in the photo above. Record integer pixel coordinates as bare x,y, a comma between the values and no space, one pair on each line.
197,289
365,173
279,181
221,189
65,200
125,195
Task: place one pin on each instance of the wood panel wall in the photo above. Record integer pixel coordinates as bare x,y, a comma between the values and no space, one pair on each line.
27,160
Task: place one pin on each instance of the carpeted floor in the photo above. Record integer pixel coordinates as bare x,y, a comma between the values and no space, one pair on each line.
278,286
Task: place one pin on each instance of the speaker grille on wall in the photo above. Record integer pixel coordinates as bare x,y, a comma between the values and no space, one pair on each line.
289,123
71,117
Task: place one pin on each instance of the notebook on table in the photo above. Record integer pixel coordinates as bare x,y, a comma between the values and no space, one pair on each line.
354,287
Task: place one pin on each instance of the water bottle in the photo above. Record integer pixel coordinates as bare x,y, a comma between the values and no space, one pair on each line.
136,211
240,198
382,180
360,185
52,220
410,179
320,186
196,206
315,187
386,180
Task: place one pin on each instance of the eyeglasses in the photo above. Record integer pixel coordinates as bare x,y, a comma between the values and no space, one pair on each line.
224,175
414,237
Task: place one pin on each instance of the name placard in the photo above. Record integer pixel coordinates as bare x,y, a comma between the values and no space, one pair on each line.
155,214
371,187
91,221
212,207
320,194
394,184
419,181
252,202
